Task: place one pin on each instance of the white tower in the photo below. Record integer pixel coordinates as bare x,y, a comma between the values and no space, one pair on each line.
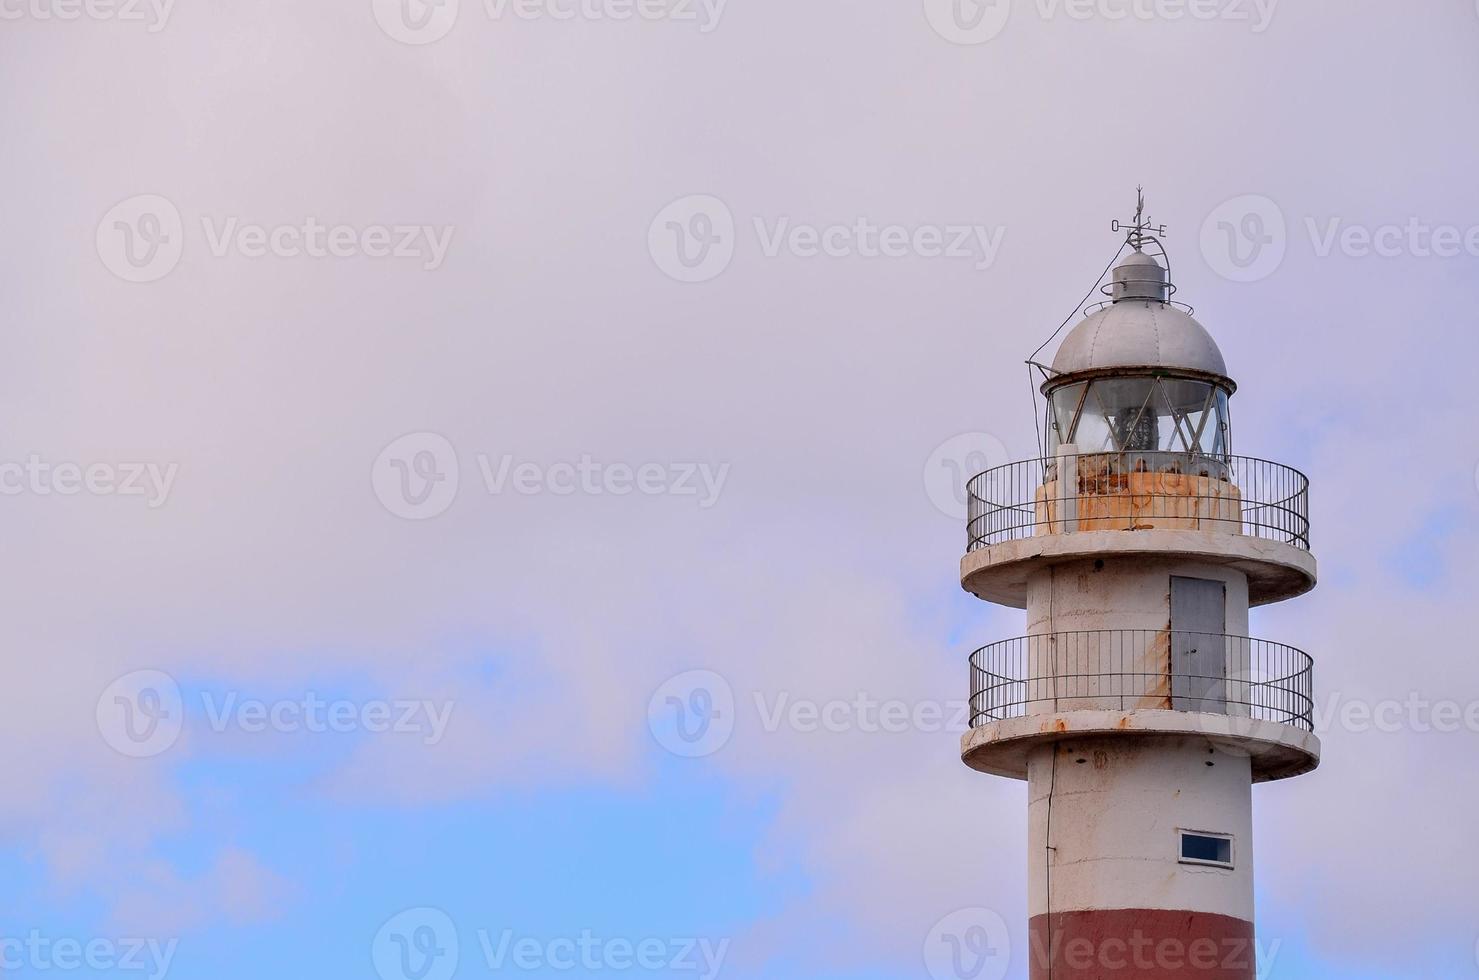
1136,707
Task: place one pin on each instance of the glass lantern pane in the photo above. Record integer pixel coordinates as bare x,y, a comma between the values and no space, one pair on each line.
1141,415
1221,442
1128,412
1064,408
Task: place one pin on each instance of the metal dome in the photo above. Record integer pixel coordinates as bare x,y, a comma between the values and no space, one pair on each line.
1139,329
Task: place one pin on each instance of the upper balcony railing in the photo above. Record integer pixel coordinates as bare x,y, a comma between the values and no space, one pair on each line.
1128,670
1133,490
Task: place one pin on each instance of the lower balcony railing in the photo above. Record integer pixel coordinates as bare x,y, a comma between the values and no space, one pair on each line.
1125,670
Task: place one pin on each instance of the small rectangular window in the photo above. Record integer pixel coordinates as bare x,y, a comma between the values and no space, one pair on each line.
1213,849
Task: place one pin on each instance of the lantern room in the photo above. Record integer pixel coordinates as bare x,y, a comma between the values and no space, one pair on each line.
1139,374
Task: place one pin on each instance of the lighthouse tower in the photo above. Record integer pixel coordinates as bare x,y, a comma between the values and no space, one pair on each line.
1137,707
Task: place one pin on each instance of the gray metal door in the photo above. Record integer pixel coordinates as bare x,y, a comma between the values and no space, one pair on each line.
1198,646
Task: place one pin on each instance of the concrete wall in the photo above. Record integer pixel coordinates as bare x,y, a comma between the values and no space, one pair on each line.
1129,592
1115,672
1115,817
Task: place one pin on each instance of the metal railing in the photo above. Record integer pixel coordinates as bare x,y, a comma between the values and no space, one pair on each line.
1124,670
1138,490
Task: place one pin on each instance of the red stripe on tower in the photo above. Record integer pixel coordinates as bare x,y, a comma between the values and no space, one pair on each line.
1141,943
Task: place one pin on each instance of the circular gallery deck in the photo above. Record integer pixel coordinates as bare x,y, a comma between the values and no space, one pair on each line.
1277,751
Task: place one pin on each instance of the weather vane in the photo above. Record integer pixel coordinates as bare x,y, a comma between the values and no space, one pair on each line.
1141,230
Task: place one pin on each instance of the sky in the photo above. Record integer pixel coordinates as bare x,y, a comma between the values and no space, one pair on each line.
480,479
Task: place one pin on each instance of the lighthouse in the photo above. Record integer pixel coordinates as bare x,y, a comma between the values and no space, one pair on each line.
1136,705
